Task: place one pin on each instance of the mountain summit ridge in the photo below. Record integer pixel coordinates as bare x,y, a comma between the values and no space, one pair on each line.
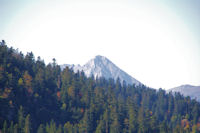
188,90
100,66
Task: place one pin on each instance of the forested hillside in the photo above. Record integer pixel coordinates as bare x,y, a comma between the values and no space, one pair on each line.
40,98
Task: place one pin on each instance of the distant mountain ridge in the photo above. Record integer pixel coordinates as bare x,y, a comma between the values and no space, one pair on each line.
188,90
100,66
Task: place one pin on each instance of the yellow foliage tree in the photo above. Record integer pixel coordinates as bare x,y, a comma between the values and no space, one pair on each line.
28,82
20,81
71,91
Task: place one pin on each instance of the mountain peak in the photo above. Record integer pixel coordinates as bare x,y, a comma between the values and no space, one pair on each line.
100,66
102,59
99,57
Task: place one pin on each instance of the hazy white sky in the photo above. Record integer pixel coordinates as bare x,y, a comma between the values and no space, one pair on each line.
155,41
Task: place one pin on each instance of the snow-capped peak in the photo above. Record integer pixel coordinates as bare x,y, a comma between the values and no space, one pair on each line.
100,66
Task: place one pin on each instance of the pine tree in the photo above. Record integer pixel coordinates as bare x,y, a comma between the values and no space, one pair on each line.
85,125
52,127
11,128
132,120
141,121
15,128
101,128
5,128
107,120
59,130
40,129
27,126
115,126
68,128
21,119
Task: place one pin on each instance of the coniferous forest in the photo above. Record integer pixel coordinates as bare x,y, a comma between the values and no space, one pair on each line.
40,98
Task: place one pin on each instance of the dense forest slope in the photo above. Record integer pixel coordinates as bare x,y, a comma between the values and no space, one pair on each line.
39,98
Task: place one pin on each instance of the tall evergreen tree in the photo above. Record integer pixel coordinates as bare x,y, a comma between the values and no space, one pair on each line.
27,126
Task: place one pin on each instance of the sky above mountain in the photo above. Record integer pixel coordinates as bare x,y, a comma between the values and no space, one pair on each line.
155,41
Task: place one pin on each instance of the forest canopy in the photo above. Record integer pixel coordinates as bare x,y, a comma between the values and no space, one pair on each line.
40,98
